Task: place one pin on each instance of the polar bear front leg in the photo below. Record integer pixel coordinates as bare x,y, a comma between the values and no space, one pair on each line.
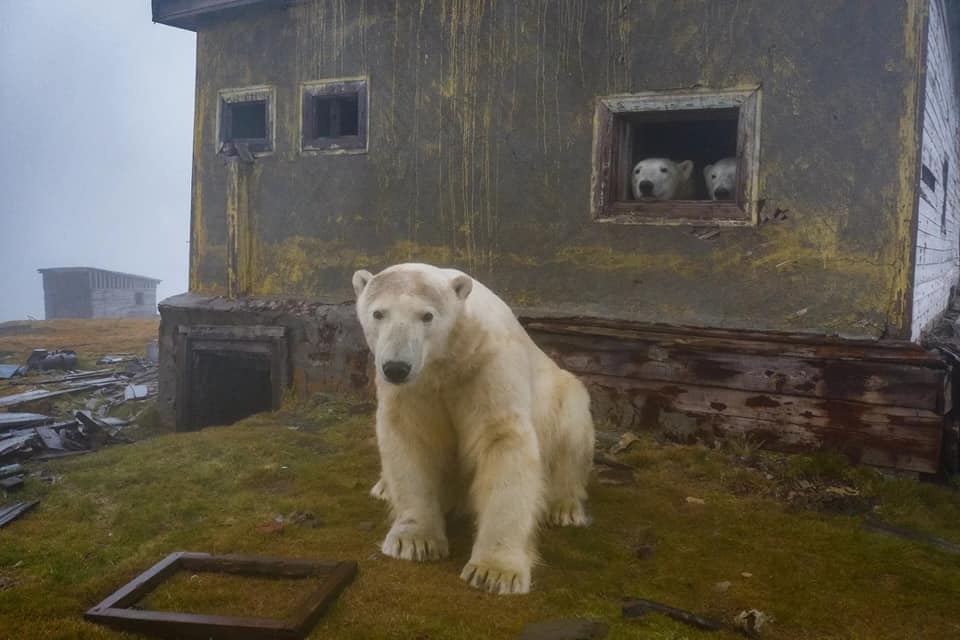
412,475
507,494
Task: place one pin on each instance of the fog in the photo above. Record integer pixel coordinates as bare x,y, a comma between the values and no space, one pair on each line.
96,114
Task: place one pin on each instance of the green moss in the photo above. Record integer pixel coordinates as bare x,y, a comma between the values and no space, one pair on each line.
115,512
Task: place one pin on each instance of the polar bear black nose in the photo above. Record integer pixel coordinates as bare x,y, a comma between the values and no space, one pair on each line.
396,371
646,187
722,193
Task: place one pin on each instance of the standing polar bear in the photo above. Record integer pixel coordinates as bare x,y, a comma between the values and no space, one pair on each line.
471,415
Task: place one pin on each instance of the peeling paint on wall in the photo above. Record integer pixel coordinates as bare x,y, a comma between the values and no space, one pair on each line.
479,155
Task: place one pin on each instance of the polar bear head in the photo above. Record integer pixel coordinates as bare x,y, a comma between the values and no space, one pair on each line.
721,178
660,178
408,312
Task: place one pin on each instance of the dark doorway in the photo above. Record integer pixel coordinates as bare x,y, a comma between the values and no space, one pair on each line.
226,373
230,386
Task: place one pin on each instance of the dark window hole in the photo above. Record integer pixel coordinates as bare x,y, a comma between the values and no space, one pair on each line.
336,116
248,121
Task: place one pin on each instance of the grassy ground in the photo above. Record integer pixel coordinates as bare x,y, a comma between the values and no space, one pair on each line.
91,339
778,530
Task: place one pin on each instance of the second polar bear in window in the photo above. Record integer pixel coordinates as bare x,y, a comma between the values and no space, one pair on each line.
721,179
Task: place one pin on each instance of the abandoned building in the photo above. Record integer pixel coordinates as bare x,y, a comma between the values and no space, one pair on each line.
86,292
498,137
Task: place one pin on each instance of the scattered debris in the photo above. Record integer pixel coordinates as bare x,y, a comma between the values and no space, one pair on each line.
565,630
135,392
304,519
638,607
876,526
626,440
117,359
751,622
693,500
43,394
614,475
707,234
45,360
722,586
9,370
153,352
20,420
746,574
10,469
13,511
11,483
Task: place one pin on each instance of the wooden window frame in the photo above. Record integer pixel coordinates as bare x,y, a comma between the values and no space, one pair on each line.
310,91
228,97
612,155
115,610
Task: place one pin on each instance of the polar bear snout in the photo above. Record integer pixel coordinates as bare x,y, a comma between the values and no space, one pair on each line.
646,188
396,371
721,193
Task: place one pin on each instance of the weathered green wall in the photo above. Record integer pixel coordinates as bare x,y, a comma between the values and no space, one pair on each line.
481,126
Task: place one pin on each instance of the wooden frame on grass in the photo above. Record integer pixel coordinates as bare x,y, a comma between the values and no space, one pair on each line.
114,611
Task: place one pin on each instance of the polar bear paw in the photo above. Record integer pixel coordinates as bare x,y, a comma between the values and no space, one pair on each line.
567,513
406,542
496,577
379,491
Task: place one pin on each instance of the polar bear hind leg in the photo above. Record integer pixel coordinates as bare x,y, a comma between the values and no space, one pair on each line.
570,457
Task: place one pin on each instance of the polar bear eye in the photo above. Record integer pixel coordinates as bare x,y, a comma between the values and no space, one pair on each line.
636,171
663,170
427,317
714,176
378,315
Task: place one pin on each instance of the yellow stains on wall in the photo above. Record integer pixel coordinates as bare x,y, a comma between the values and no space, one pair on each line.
899,250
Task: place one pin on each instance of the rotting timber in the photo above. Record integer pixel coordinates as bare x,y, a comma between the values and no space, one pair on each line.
880,403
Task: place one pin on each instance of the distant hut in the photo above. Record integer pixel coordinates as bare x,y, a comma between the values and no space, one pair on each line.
86,292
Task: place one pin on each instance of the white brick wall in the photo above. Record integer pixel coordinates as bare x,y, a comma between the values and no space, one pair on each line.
938,260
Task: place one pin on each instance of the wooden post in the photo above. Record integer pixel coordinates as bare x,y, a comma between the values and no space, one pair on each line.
239,169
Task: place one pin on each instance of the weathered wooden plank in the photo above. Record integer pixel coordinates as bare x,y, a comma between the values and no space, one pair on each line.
885,383
885,436
745,342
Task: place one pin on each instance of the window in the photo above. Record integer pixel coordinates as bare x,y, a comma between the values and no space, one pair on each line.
693,130
246,117
334,116
138,298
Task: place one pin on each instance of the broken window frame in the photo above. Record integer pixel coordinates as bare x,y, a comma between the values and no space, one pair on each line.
310,92
115,611
612,155
229,97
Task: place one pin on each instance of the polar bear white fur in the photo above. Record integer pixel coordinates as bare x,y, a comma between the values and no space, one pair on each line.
662,179
721,178
473,416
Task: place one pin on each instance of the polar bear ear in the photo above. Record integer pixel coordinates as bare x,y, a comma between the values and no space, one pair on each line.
360,280
686,168
462,286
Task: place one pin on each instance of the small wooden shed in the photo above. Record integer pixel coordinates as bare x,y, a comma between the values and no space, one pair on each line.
87,292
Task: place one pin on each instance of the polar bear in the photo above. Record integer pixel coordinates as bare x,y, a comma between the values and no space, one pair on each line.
662,179
472,416
721,178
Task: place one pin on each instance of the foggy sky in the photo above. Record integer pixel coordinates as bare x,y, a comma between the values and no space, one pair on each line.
96,115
